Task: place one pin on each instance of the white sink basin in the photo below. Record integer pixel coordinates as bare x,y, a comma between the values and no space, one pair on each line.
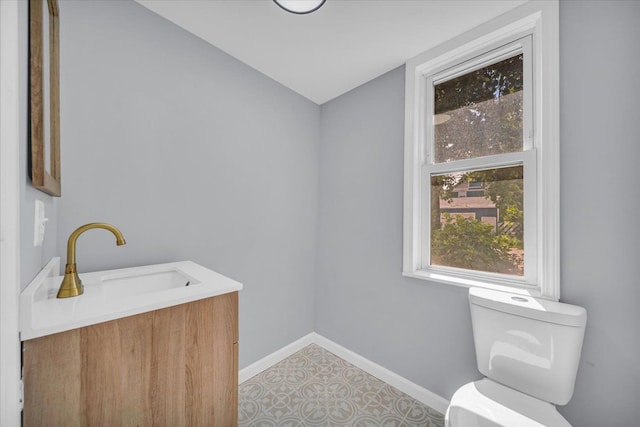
142,282
114,294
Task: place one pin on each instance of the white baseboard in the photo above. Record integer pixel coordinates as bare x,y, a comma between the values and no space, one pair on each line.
419,393
275,357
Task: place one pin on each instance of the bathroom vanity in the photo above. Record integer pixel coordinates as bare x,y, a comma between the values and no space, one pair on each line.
163,355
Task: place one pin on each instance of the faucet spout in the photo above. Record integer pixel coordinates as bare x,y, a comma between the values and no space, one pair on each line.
71,285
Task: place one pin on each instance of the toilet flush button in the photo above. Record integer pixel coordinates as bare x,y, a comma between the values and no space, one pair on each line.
520,299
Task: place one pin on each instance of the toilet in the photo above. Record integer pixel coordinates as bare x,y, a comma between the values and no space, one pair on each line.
528,349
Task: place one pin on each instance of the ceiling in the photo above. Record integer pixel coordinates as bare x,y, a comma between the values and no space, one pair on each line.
335,49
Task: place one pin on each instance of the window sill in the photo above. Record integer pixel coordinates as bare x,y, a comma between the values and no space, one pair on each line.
471,283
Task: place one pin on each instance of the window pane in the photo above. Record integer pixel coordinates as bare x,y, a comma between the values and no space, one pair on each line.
477,220
479,113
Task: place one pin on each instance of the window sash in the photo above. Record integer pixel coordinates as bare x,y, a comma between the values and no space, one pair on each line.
449,72
528,160
526,157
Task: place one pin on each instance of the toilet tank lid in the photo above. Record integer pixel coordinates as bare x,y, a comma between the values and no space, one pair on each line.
526,306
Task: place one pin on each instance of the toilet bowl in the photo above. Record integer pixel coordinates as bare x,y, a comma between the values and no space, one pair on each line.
486,403
528,349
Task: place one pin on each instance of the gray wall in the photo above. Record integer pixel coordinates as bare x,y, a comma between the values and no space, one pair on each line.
600,137
417,329
422,330
32,258
193,155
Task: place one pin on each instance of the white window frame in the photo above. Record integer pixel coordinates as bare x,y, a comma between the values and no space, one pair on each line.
533,28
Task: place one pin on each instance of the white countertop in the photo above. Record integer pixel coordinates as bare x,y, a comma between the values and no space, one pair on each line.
41,313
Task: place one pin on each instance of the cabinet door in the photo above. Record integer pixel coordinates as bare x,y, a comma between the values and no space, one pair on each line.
51,386
211,366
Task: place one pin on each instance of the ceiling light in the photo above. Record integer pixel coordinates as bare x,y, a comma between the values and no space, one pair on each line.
300,7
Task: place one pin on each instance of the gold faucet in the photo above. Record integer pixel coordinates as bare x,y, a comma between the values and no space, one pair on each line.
71,285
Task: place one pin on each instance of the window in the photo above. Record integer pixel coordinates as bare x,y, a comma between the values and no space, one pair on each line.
481,157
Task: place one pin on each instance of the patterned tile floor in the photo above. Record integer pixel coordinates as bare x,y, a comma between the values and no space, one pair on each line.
313,387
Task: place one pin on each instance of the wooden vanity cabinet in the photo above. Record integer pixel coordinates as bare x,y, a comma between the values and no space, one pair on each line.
176,366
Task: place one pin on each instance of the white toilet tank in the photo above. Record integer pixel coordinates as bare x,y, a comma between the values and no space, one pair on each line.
529,344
